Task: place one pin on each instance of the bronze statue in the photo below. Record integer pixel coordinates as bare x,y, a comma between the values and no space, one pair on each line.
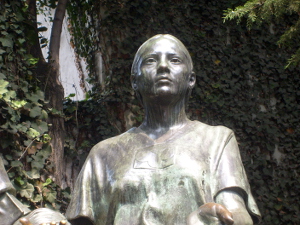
169,170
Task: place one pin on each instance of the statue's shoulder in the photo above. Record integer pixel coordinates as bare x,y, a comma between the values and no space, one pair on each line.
216,130
113,143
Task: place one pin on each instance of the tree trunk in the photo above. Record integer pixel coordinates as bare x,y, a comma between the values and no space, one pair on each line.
35,49
55,94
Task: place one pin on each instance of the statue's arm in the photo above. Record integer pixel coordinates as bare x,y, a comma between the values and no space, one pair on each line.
231,187
87,197
234,203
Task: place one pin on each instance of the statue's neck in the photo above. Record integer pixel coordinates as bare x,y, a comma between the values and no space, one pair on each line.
161,118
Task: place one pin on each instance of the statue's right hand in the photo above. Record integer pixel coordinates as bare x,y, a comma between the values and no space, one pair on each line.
210,214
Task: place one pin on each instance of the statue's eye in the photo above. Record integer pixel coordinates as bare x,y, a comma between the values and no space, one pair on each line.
175,60
150,61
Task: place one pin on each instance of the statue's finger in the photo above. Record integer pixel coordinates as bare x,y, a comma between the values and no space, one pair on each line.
53,223
63,222
24,221
224,215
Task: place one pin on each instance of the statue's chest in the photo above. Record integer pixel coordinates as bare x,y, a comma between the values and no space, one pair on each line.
163,170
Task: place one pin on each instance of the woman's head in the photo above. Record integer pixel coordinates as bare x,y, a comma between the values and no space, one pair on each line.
163,49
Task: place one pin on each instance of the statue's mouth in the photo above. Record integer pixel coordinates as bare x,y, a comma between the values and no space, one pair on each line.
163,78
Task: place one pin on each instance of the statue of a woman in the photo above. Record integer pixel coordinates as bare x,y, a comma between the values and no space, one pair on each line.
169,170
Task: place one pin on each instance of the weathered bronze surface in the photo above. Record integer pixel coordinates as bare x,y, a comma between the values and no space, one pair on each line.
169,170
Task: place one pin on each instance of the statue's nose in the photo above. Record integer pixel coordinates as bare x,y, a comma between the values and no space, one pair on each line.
163,67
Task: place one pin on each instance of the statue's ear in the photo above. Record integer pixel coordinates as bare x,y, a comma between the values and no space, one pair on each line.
133,82
192,80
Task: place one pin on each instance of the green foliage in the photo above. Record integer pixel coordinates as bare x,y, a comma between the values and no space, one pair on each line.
86,125
241,83
258,11
23,112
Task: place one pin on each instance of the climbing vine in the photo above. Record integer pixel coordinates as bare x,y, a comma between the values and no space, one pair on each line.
24,145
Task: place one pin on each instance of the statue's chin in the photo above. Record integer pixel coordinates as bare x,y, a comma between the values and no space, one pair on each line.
163,94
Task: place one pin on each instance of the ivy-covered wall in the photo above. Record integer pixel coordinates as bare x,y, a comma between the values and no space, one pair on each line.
241,83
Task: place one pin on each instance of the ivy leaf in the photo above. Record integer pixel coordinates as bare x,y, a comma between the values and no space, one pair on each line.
6,42
6,142
40,157
35,97
33,174
8,157
33,133
40,126
16,163
27,191
19,181
9,95
11,175
37,198
21,40
37,163
18,104
31,150
45,153
278,207
3,85
33,61
50,195
48,181
27,142
44,114
35,111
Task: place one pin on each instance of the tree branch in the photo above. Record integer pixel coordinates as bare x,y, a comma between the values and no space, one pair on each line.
56,32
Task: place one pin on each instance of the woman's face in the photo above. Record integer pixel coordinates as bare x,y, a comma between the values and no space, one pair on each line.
165,70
